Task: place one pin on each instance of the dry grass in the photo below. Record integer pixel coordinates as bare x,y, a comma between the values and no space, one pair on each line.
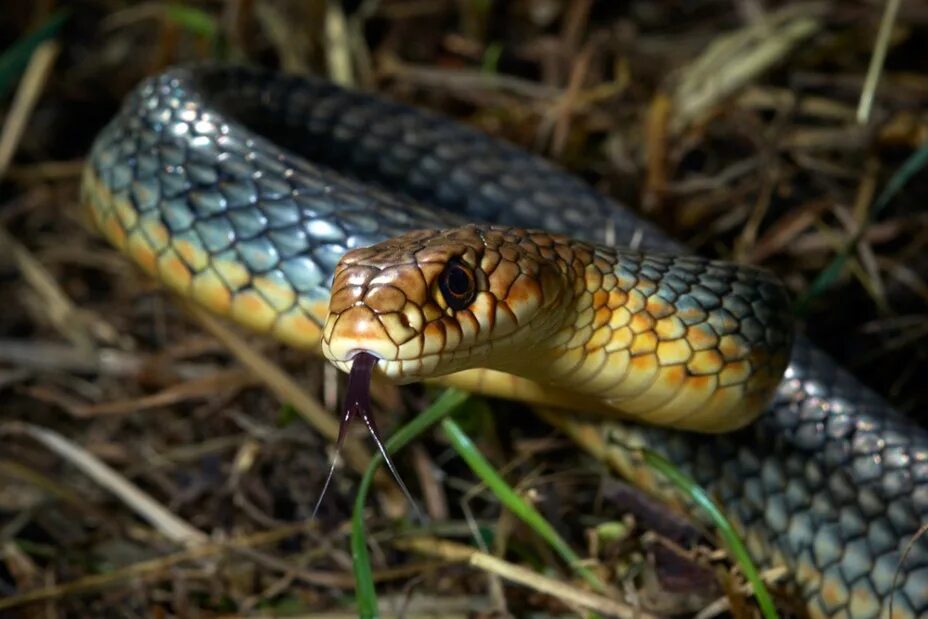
146,471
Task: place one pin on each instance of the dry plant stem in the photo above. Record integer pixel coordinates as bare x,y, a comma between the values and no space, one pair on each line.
556,124
172,527
145,506
56,305
220,382
466,82
433,492
876,61
723,604
290,42
569,594
11,469
151,570
60,309
283,386
43,58
338,47
35,173
44,355
735,59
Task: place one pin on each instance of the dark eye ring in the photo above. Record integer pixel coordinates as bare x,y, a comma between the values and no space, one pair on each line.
457,285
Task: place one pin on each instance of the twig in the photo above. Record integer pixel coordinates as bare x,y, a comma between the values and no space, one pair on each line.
876,61
67,318
27,94
733,60
514,573
153,569
337,45
466,82
141,503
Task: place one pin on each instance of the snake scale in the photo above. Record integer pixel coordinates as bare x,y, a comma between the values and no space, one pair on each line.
243,189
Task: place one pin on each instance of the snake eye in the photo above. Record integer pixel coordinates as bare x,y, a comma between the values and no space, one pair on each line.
457,285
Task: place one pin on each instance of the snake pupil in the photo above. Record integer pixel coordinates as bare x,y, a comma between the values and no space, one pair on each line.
457,285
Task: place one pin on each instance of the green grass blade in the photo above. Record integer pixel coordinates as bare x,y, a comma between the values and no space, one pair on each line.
365,592
508,497
194,20
826,278
13,60
490,62
725,528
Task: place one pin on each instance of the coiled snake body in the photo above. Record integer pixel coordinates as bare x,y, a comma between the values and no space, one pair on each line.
186,180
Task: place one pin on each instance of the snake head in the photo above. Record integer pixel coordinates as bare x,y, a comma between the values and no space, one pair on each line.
433,302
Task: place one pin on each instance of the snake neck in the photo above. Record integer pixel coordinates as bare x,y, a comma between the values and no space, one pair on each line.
675,340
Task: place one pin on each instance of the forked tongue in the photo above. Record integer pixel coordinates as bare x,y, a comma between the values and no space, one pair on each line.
358,404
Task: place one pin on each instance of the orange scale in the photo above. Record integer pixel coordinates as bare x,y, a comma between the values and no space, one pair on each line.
601,317
250,309
641,322
114,232
642,372
593,365
157,234
658,307
617,298
725,411
126,213
621,339
279,296
234,274
645,343
735,373
863,602
567,362
689,401
620,318
210,291
613,373
316,309
674,352
635,301
297,329
174,272
140,251
834,591
705,362
702,337
670,328
599,339
192,255
733,347
600,298
651,404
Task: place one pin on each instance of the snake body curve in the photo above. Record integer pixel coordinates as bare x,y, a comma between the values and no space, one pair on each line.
199,181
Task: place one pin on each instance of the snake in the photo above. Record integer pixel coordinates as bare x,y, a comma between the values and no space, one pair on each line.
347,224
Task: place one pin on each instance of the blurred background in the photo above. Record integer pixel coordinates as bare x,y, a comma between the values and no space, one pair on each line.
751,130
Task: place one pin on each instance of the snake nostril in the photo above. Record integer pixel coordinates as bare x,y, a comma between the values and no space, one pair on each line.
404,320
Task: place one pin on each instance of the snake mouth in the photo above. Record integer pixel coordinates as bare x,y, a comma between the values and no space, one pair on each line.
384,365
352,354
400,371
